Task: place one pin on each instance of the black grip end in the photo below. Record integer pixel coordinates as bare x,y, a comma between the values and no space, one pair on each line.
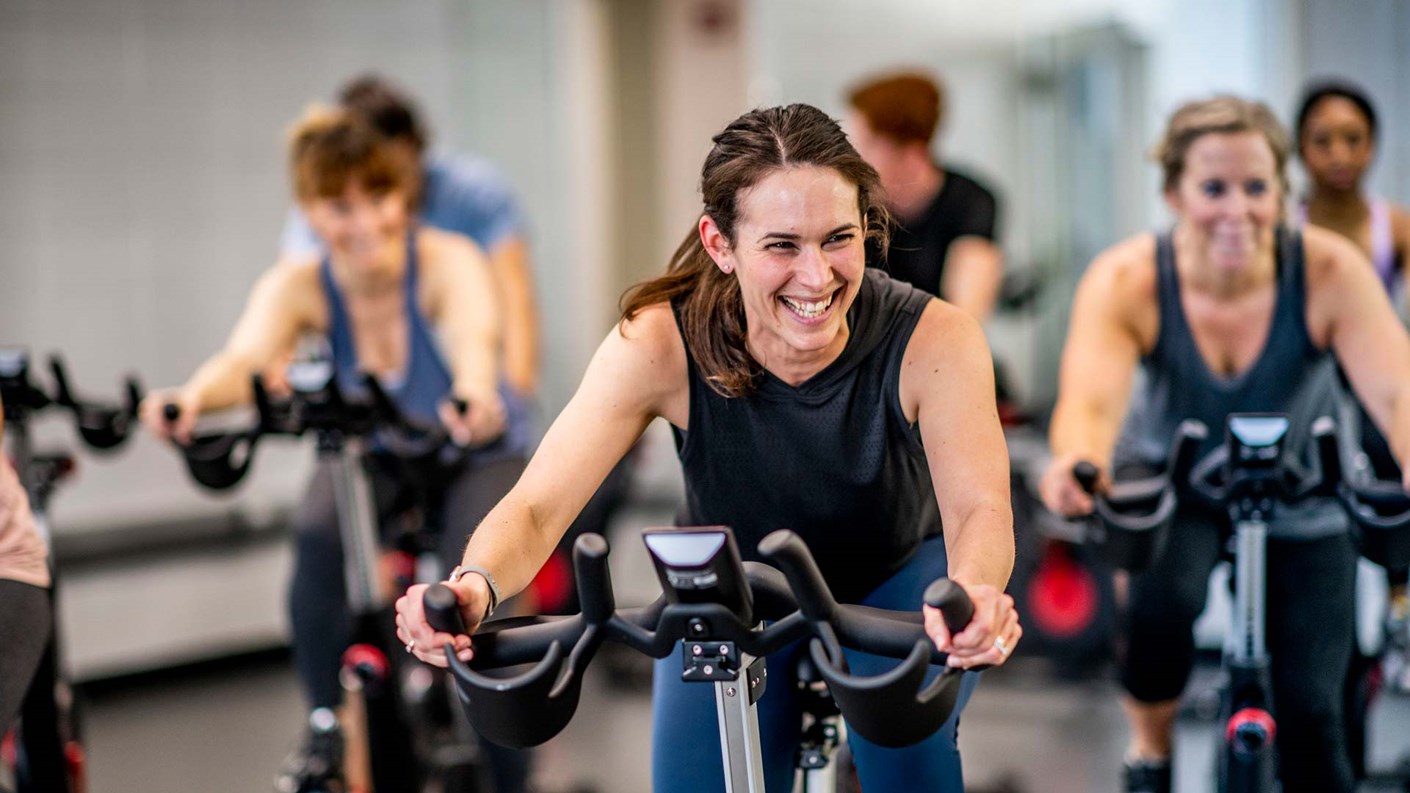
1086,474
953,602
443,609
461,405
171,412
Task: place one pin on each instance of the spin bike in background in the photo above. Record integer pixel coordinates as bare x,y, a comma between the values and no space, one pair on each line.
395,742
723,617
48,750
1248,478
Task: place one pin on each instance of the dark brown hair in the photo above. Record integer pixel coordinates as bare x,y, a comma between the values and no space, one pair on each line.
710,304
388,108
905,107
330,148
1220,114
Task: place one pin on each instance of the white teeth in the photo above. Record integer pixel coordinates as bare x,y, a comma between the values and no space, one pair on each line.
806,309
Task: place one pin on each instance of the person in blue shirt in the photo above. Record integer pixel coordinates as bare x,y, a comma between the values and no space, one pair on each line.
460,193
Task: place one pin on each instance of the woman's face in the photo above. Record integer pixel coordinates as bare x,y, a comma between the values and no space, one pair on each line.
364,229
1229,197
1336,144
798,254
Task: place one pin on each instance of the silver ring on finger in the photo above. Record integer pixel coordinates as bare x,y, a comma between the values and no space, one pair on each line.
1002,646
411,646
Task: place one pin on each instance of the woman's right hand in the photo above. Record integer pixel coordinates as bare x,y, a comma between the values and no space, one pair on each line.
153,413
428,644
1060,490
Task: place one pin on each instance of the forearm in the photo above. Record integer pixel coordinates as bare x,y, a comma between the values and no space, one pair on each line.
221,382
512,544
981,548
1082,431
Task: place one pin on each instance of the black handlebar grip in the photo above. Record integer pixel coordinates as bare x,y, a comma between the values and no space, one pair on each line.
443,609
1086,474
62,394
461,405
171,412
594,579
953,602
788,552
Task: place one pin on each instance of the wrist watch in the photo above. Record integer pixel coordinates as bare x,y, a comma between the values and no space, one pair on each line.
461,570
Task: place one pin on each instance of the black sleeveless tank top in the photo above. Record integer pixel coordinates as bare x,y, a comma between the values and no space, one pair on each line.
1291,375
832,459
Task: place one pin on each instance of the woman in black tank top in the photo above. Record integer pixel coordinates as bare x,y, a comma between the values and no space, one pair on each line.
1228,312
800,387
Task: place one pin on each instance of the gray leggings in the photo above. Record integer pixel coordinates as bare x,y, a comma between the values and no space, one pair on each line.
25,617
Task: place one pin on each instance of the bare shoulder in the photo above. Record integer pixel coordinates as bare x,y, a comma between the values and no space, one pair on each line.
1330,258
640,367
439,251
1124,272
293,284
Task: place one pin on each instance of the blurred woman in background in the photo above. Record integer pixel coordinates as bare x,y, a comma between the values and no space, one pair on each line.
412,305
1229,311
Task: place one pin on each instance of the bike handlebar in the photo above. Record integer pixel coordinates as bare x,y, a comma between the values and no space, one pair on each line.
1140,509
791,601
1131,514
220,460
102,426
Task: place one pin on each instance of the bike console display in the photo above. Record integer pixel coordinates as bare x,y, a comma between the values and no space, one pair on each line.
700,565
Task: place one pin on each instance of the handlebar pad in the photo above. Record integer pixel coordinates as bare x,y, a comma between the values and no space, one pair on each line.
953,602
443,609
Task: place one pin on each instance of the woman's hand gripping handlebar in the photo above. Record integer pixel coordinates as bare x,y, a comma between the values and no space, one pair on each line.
784,604
1131,514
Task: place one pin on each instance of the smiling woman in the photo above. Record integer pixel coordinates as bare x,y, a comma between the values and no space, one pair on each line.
807,392
413,306
1229,311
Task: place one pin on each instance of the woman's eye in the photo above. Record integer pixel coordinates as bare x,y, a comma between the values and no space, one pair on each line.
839,239
1256,187
1212,189
781,245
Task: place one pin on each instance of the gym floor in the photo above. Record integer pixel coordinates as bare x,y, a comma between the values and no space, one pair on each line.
226,726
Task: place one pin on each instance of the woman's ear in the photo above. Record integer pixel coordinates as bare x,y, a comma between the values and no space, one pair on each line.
715,244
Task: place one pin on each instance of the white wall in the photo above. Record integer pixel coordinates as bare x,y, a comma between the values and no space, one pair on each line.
141,158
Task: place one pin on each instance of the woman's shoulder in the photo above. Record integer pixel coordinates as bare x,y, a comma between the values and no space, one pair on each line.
437,247
1329,256
1124,272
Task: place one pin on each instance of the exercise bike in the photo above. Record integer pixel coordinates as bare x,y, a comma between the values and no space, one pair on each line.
394,741
48,754
1249,478
723,617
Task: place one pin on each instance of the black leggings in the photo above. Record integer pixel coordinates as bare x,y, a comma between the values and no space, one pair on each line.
25,618
1310,615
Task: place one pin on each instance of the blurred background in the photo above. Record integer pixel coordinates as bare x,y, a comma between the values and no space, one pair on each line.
143,188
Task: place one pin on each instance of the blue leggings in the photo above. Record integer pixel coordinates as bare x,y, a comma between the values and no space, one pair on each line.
685,755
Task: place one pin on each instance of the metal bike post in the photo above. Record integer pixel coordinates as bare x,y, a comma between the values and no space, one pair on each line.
356,521
739,726
1250,560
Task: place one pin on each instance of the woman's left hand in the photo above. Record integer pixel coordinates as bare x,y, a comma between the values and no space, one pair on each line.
989,638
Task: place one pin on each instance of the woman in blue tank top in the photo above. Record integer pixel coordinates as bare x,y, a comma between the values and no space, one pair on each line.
1229,311
800,387
411,305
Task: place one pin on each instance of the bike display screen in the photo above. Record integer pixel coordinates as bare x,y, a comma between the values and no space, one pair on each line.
700,565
